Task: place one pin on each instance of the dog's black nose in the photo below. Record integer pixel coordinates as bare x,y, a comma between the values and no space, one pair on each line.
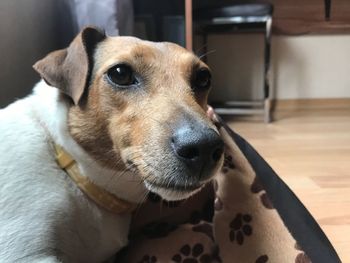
197,147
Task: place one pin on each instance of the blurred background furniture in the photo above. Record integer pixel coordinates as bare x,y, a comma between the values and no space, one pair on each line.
247,17
30,29
159,20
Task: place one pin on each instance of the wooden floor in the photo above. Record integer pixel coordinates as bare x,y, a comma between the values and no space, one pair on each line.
311,152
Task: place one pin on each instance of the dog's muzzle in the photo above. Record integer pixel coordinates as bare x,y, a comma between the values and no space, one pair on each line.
193,154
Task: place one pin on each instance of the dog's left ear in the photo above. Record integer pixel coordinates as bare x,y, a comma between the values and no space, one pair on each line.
69,69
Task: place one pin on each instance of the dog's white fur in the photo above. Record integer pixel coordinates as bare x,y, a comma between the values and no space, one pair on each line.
43,216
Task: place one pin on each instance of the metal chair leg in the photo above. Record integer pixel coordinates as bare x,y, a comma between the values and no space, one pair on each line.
267,110
267,86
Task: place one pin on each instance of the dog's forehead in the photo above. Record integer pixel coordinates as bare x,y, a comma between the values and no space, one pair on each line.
133,51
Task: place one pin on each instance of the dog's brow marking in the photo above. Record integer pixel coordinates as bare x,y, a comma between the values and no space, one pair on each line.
142,54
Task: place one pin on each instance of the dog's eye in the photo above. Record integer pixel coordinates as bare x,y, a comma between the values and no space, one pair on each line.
202,79
121,75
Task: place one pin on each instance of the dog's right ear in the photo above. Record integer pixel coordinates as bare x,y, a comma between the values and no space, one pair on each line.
69,69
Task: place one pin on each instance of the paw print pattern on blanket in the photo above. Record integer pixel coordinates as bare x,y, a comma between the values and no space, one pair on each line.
256,188
228,164
240,228
192,255
262,259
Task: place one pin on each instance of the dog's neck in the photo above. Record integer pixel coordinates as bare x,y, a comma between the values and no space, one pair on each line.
52,112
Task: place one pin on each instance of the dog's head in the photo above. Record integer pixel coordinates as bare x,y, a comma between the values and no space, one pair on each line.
139,105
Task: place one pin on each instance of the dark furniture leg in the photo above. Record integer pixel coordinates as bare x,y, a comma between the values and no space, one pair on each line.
267,72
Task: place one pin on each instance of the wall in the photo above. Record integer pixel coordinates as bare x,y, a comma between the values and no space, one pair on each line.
29,30
312,66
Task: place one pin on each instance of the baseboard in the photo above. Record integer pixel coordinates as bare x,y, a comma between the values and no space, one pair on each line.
310,104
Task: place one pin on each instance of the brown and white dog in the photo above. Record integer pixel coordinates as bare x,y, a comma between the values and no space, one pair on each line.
132,115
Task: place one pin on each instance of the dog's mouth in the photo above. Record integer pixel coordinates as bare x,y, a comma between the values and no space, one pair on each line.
169,190
173,191
179,186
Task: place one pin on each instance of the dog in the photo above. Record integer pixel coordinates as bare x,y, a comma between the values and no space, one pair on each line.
130,116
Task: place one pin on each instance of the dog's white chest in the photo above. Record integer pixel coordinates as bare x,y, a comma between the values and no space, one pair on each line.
42,213
93,236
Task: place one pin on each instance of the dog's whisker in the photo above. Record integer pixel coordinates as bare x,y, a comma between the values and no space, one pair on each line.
203,47
114,175
207,53
139,205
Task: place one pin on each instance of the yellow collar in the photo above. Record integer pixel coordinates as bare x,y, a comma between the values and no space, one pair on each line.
100,196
